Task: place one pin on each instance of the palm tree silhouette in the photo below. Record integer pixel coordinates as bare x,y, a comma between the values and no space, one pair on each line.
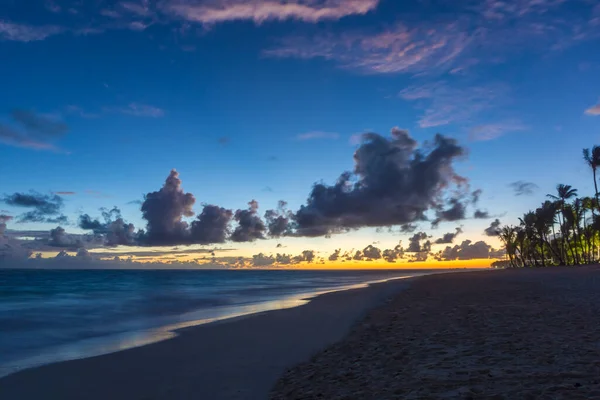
592,158
564,193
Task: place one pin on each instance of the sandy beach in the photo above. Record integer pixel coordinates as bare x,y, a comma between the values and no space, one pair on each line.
235,359
511,334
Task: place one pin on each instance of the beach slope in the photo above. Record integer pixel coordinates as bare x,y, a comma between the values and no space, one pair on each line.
511,334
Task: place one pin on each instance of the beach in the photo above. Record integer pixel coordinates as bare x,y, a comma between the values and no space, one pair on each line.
507,334
510,334
238,358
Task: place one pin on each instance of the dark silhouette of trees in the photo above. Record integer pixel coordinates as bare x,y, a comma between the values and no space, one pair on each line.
562,231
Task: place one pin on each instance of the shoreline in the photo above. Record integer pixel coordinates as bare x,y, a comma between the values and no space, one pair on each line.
312,311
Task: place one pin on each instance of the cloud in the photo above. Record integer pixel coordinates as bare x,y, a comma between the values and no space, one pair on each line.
449,237
392,255
493,229
164,211
32,130
371,253
59,238
594,110
10,31
317,135
393,183
140,110
450,39
278,221
468,250
456,212
66,193
415,246
440,105
250,226
3,220
44,207
335,256
224,140
262,260
211,226
493,131
312,11
306,256
480,214
522,188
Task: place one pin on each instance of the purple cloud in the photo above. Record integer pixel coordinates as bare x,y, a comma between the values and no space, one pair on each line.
594,110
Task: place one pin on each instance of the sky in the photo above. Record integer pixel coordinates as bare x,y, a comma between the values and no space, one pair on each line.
394,132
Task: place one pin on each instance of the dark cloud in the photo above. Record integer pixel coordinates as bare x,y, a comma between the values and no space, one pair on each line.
449,237
250,226
335,256
468,250
393,183
114,229
415,246
391,255
211,226
522,188
480,214
3,220
358,256
60,238
45,207
493,229
262,260
476,195
306,256
408,228
456,212
164,211
32,130
371,253
278,221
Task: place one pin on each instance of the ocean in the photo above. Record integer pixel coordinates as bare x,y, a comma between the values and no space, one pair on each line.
48,316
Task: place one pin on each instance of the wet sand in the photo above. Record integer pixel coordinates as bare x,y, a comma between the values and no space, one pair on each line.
235,359
511,334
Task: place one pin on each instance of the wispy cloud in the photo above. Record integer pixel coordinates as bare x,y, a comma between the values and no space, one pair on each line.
140,110
269,10
26,33
474,35
33,131
317,135
444,103
493,131
594,110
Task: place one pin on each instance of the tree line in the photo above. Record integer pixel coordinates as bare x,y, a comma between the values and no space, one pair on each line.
564,230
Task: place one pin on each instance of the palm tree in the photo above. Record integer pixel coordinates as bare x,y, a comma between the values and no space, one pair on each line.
592,158
564,193
508,235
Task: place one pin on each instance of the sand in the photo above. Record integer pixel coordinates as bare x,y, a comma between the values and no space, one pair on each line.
236,359
512,334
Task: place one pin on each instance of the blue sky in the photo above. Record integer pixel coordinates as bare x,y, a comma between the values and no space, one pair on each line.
260,100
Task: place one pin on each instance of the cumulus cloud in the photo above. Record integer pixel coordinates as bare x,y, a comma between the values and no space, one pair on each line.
306,256
250,226
44,207
392,255
522,188
449,237
415,244
371,253
113,228
335,256
493,229
60,238
456,212
262,260
164,211
211,226
278,221
33,131
468,250
394,183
